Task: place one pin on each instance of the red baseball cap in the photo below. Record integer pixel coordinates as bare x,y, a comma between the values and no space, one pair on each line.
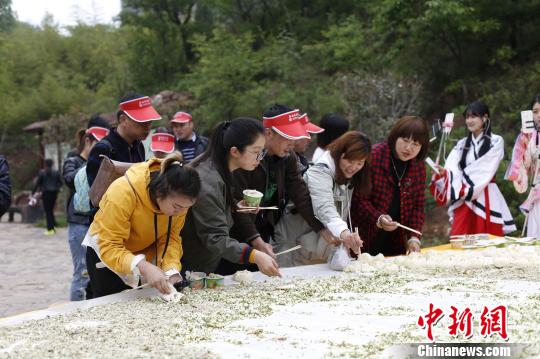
287,125
310,127
98,132
181,117
140,109
162,142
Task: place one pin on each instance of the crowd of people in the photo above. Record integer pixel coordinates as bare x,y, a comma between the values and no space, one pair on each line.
185,208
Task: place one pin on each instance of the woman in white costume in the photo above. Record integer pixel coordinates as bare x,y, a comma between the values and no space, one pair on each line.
525,169
467,181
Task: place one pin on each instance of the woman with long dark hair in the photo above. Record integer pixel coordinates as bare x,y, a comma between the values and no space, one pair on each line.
343,168
236,144
467,181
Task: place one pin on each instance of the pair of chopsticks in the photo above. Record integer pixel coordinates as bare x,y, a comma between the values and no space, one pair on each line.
289,250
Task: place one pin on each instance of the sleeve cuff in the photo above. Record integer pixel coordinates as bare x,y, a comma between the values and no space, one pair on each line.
247,254
252,256
172,272
136,260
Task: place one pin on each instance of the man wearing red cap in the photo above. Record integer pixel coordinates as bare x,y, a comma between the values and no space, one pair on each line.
276,175
190,143
123,143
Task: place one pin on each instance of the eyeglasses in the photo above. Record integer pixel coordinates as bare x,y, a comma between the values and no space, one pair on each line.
260,155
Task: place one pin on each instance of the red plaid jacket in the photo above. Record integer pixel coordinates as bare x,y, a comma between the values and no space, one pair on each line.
366,209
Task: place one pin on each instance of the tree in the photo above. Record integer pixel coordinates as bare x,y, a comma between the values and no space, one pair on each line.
7,20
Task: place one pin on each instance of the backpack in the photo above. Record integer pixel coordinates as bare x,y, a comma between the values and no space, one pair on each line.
81,198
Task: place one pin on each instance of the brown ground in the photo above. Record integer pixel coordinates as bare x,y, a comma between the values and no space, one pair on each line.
35,270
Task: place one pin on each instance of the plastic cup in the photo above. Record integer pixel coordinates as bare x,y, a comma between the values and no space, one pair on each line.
252,198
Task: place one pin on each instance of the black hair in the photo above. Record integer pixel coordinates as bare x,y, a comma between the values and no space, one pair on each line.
127,97
81,137
536,99
162,129
334,126
480,109
276,109
240,133
97,121
174,177
49,163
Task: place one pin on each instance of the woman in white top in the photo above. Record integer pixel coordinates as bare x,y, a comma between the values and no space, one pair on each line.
340,170
467,181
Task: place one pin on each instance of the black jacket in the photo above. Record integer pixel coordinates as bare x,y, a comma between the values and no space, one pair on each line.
48,181
288,180
72,164
5,186
116,148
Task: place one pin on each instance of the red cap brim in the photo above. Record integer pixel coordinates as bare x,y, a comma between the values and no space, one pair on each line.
162,142
98,132
144,114
312,128
292,131
162,147
182,117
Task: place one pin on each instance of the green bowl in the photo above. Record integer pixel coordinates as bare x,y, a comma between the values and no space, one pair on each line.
214,282
196,280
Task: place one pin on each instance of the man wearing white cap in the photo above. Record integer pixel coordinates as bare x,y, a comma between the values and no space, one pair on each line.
277,174
190,143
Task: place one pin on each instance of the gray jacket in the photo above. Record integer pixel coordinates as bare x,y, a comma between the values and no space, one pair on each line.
205,236
331,202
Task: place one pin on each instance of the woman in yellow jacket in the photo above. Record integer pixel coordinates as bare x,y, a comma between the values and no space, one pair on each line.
139,222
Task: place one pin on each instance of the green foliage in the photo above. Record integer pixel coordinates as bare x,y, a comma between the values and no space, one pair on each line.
372,61
7,20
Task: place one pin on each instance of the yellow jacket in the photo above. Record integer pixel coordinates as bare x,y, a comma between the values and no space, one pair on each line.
124,224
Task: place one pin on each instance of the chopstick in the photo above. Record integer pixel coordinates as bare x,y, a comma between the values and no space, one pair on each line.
407,228
251,209
289,250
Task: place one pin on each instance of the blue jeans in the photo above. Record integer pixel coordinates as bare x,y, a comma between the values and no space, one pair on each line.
76,233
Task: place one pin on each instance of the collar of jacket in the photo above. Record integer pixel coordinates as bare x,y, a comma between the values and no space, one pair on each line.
118,141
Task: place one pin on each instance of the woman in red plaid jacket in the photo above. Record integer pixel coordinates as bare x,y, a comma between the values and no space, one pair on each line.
398,179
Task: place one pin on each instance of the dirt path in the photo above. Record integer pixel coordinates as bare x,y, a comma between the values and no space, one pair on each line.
35,270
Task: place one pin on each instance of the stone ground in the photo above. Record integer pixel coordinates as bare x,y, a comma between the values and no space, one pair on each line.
35,270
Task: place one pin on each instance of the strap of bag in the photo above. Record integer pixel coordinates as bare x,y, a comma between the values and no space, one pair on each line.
155,226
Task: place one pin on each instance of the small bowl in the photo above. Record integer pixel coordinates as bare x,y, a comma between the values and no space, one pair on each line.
215,281
457,243
470,240
482,236
196,280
